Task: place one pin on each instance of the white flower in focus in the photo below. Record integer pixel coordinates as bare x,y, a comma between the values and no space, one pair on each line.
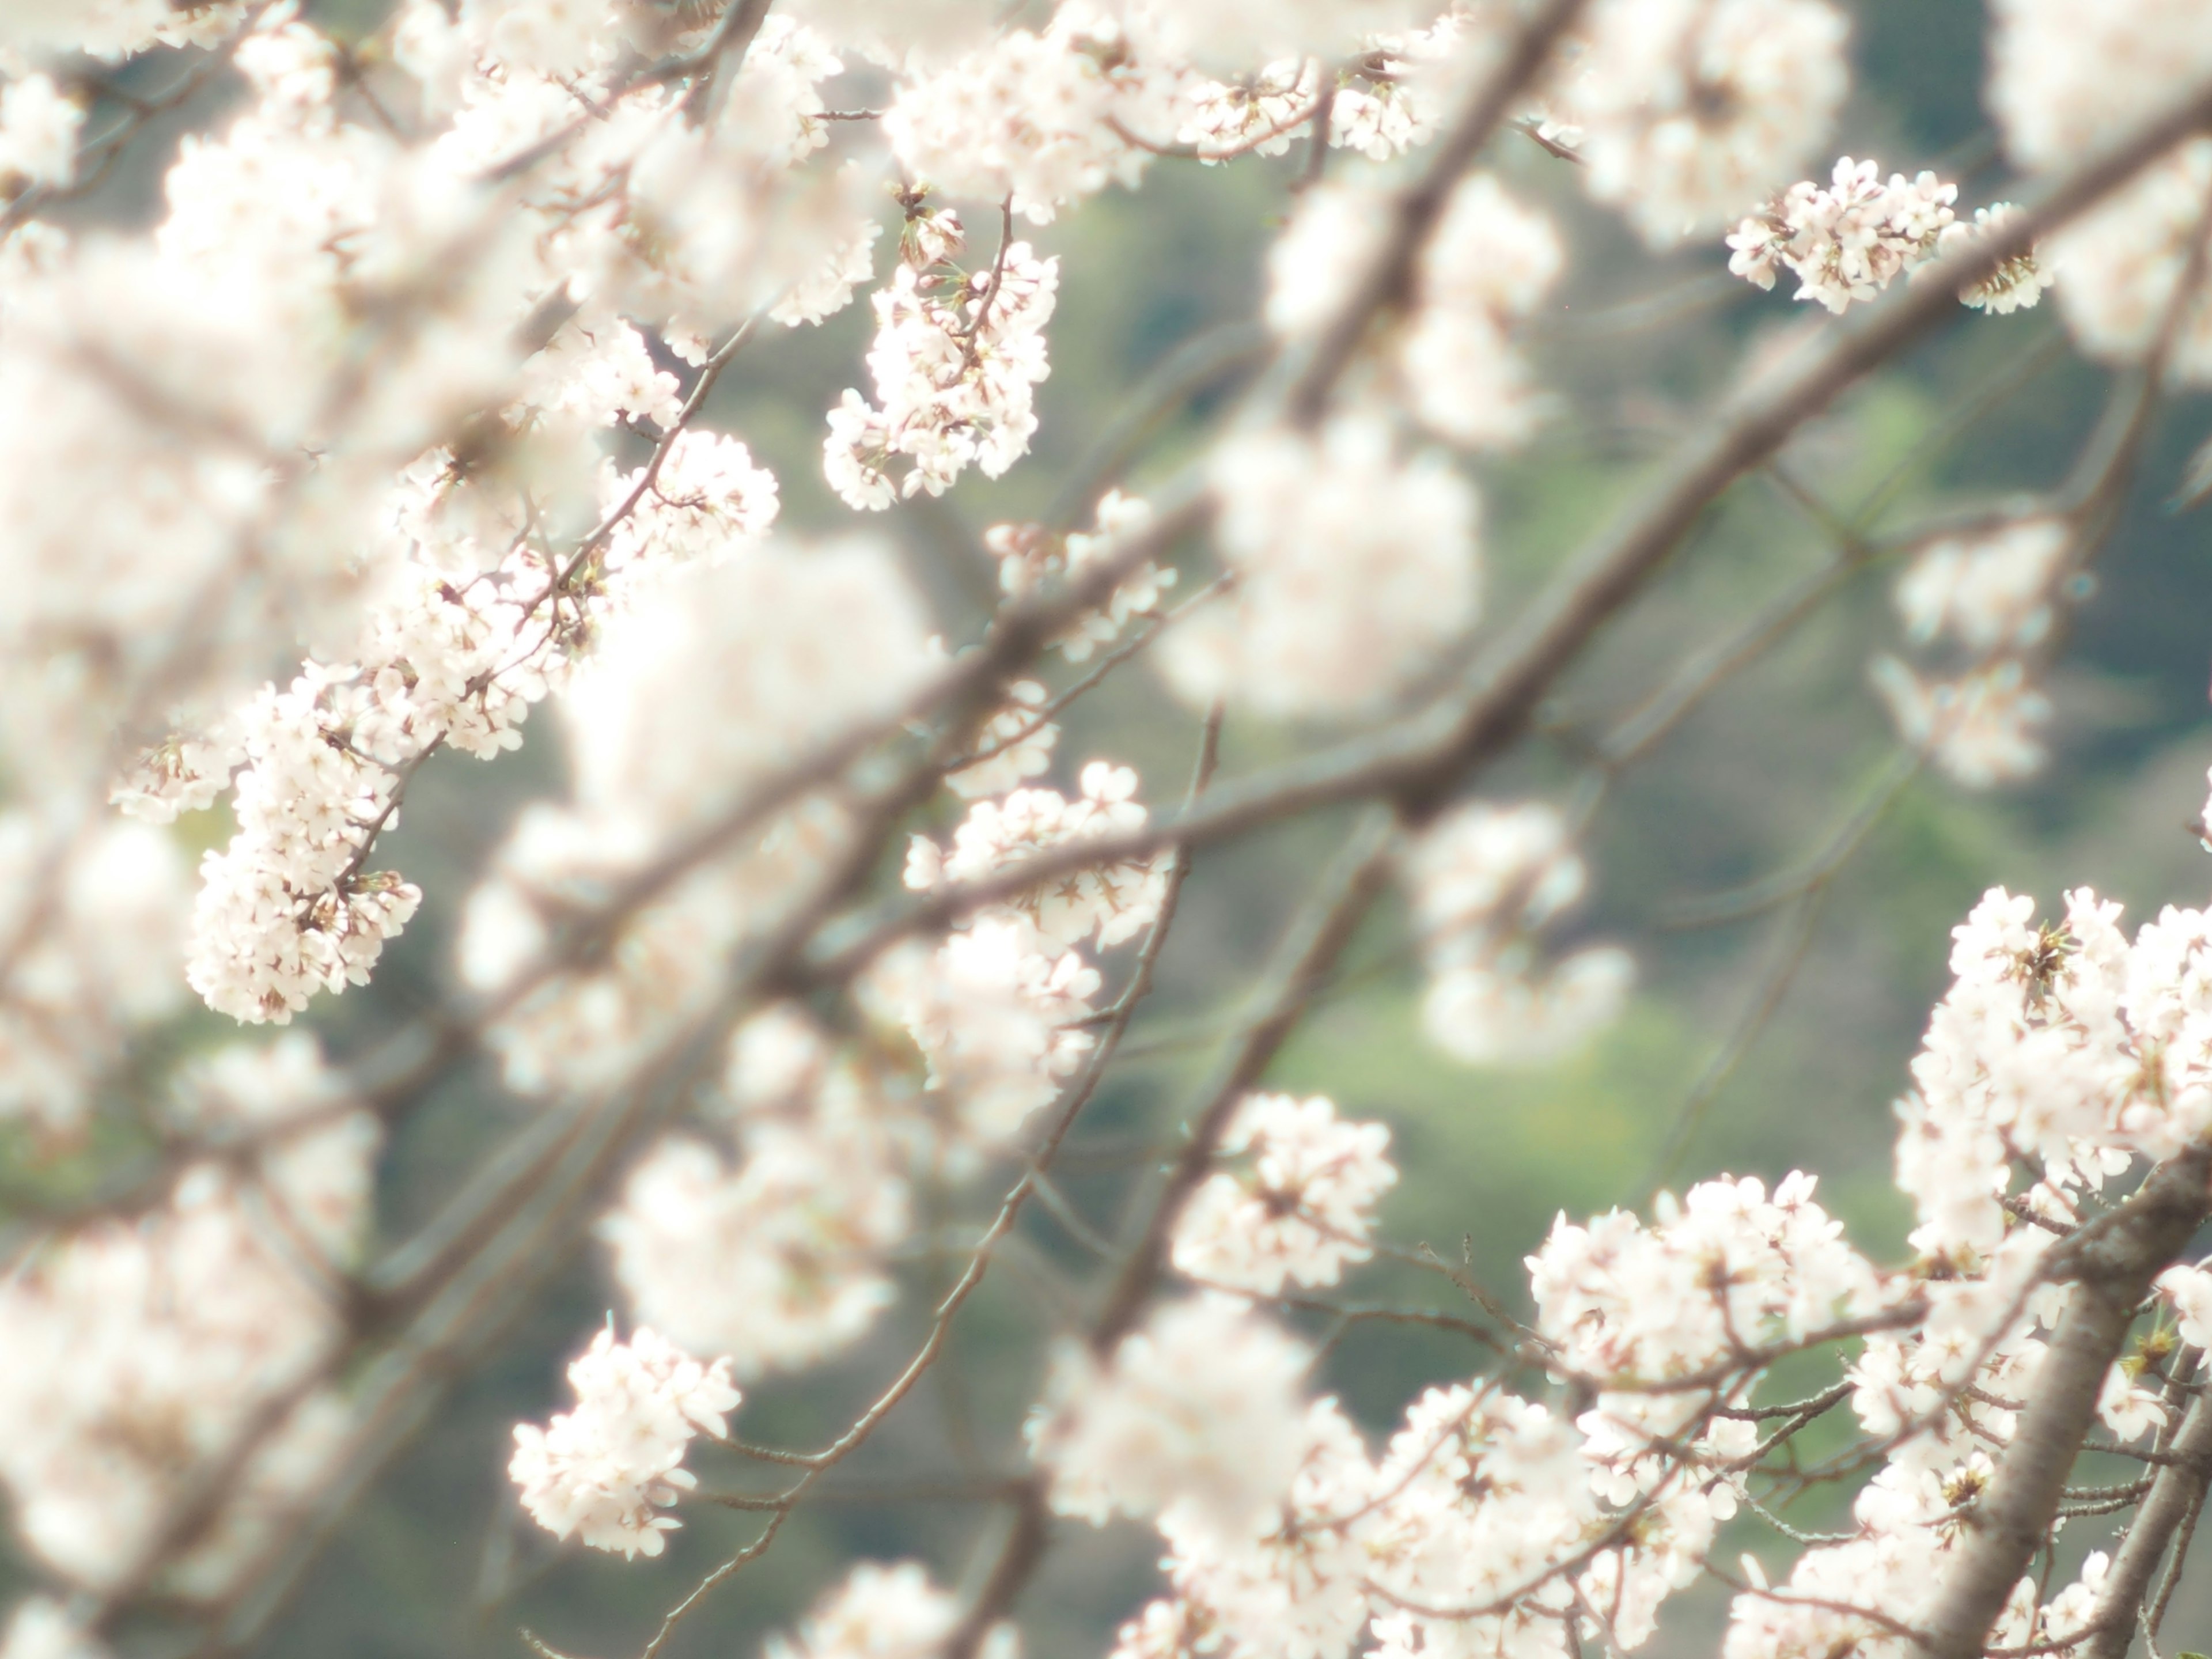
1354,572
2017,284
1197,1409
601,1471
1300,1589
1304,1210
1848,240
2127,1408
955,362
706,500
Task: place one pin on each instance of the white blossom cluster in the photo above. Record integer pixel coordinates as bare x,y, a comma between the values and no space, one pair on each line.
139,1357
1488,1520
956,356
881,1612
39,128
1301,1211
1848,240
716,676
1486,268
998,1009
603,1471
456,660
1724,1271
95,926
763,1239
2063,86
1029,558
1354,569
1995,597
2063,1048
394,421
1685,110
1109,903
1484,881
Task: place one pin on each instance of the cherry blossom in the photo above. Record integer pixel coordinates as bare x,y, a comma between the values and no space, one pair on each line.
600,1471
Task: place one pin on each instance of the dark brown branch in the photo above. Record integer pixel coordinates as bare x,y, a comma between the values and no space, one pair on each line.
2112,1263
2177,1490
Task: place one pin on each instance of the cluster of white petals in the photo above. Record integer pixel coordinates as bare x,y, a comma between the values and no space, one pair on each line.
1354,569
141,1355
1686,111
1028,557
1300,1213
455,659
770,1249
2019,281
712,680
1198,1410
1981,727
1109,903
1991,593
38,132
956,359
95,923
1661,1319
602,1472
998,1013
394,424
1994,596
2063,86
1484,269
881,1612
2062,1048
1848,240
1039,119
1484,880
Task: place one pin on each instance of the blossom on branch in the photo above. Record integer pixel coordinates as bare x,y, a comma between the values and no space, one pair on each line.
601,1472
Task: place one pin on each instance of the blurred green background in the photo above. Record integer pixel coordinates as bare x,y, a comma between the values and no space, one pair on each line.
435,1560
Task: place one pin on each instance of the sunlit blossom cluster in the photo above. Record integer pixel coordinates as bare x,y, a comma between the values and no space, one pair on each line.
603,1470
406,426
